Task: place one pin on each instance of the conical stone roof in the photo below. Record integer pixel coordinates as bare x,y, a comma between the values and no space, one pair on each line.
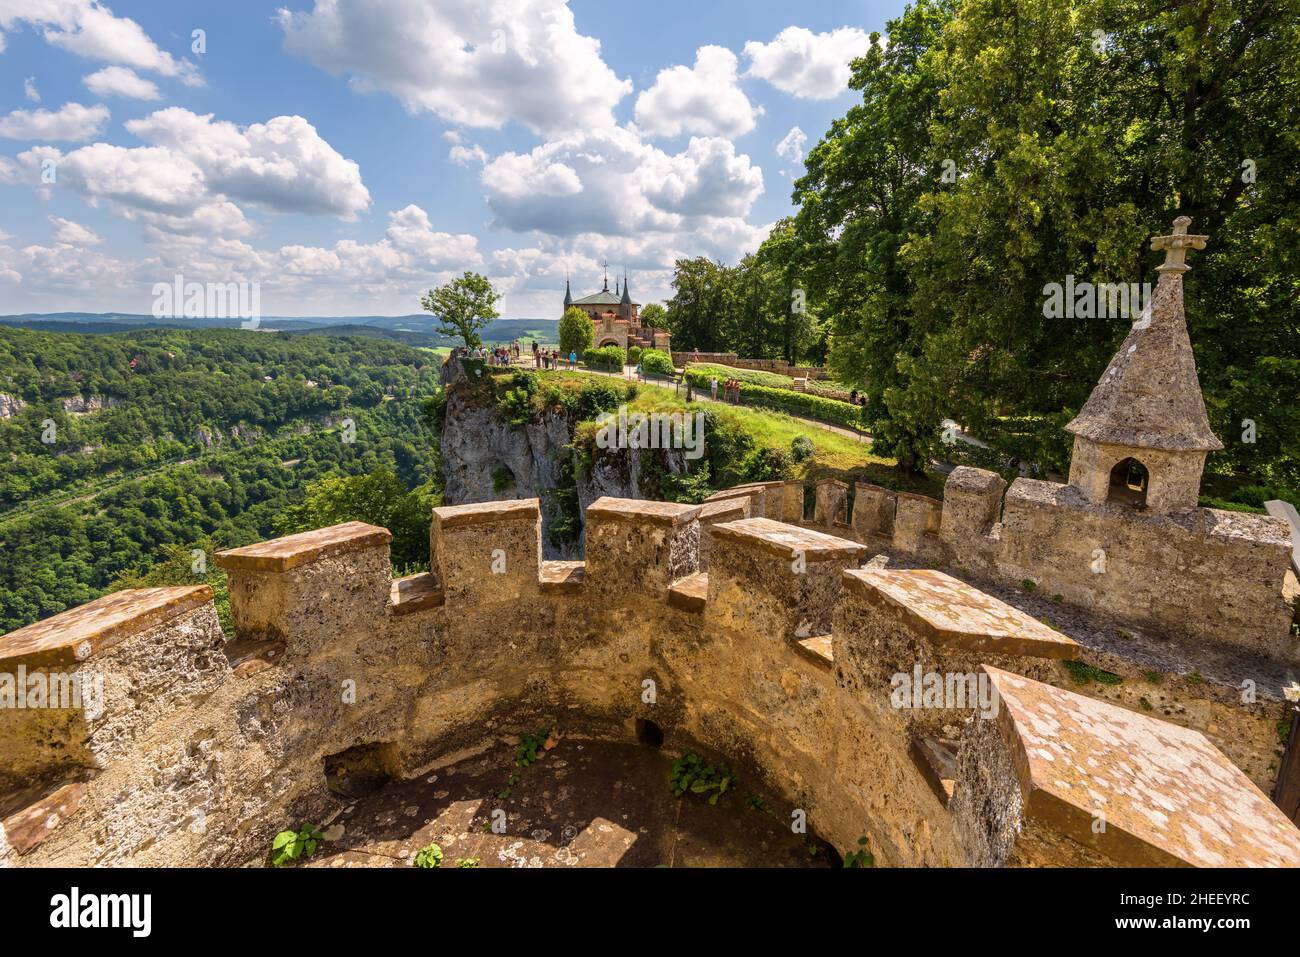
1149,396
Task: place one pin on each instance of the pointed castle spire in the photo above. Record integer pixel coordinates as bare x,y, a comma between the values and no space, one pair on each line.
627,297
1149,396
568,295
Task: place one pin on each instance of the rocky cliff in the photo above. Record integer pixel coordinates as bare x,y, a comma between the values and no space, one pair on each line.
487,458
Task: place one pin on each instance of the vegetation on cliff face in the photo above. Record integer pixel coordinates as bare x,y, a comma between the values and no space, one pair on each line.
202,440
740,444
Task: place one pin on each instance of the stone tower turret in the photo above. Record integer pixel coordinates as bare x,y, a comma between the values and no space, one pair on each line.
1142,437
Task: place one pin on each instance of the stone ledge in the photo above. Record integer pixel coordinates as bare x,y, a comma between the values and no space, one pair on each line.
789,541
414,593
27,829
292,551
725,509
671,514
690,593
562,577
80,633
950,612
818,649
1168,796
484,513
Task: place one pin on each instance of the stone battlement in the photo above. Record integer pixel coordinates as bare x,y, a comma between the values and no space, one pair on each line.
783,655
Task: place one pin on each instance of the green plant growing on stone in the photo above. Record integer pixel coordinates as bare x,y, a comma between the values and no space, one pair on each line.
862,857
1029,584
502,479
1082,674
691,774
290,846
1153,677
467,862
531,747
1144,704
429,856
1195,677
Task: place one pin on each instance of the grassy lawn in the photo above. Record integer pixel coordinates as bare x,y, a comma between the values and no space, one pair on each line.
836,456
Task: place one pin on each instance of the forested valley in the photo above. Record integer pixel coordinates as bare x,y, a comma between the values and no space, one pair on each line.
130,458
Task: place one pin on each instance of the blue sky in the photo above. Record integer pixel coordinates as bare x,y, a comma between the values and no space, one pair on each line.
347,154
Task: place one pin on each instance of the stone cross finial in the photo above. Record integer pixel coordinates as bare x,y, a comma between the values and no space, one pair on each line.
1176,246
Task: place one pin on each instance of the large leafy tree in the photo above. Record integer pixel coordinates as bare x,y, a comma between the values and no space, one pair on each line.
576,331
463,306
1004,145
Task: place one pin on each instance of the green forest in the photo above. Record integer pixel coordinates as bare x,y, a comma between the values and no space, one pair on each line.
194,441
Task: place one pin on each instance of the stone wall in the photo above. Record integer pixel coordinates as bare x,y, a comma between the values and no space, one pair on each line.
779,658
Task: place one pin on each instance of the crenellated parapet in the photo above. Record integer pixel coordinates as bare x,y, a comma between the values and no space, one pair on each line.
783,655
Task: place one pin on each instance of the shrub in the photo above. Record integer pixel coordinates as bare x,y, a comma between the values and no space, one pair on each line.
785,400
633,355
657,362
606,357
802,448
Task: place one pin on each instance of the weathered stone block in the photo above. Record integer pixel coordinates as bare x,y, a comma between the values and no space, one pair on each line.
307,589
873,511
1060,779
642,546
771,580
77,689
489,552
909,642
917,520
832,503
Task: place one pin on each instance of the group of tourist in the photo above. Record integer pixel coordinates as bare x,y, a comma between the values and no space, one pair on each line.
857,398
552,359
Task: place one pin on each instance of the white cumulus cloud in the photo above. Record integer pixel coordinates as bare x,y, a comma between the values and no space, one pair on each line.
807,65
121,81
473,62
73,234
89,28
611,181
29,89
72,122
282,164
705,99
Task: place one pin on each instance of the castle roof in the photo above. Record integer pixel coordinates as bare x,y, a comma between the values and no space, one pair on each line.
605,298
1149,396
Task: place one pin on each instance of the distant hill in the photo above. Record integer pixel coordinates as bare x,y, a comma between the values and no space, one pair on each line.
419,329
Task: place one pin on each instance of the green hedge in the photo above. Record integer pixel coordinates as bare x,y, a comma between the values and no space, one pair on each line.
786,400
606,357
657,362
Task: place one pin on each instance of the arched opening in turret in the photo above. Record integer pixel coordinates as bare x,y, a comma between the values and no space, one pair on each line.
1129,480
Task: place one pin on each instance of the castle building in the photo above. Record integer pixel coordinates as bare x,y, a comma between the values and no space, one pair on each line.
616,318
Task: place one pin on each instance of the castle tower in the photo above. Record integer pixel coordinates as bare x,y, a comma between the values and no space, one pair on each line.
625,302
568,295
1142,436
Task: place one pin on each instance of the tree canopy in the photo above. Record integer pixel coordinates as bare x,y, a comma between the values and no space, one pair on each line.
463,306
